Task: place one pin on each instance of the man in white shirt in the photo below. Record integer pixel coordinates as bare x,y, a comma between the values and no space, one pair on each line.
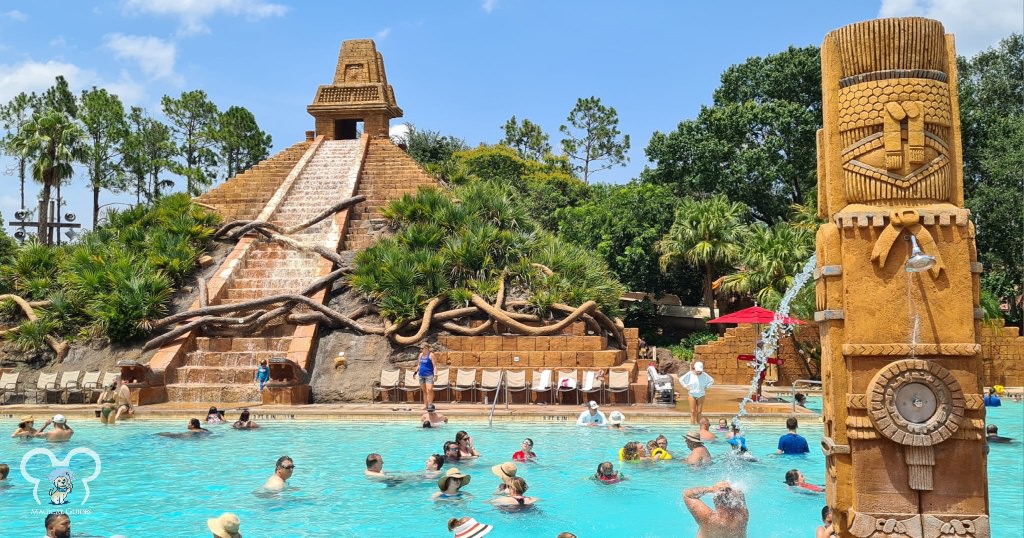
696,383
591,416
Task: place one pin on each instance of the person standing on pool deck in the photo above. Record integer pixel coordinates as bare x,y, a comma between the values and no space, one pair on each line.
282,471
262,374
792,443
426,374
728,519
696,383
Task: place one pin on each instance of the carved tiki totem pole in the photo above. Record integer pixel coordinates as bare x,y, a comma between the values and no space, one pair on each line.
901,361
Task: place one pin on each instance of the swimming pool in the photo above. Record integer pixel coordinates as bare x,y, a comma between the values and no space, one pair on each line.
150,485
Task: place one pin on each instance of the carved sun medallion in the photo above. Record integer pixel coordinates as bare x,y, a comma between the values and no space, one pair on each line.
915,402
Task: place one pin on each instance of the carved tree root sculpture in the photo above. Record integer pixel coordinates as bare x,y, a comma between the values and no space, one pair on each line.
509,321
59,347
229,230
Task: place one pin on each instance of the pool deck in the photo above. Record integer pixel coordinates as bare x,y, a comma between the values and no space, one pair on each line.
721,402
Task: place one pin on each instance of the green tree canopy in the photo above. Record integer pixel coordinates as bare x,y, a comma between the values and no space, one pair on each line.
53,141
592,137
992,120
431,147
193,121
756,143
13,116
148,152
707,234
527,138
622,224
240,141
102,116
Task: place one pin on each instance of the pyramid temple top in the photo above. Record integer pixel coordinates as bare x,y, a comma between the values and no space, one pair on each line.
360,92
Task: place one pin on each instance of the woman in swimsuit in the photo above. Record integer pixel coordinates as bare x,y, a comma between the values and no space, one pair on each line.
108,402
514,497
795,479
450,485
465,443
425,372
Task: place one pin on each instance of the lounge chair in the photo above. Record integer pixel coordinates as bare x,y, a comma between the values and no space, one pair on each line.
490,381
90,385
109,378
9,386
389,379
69,385
541,382
442,383
47,383
568,381
592,384
465,380
618,382
660,388
515,381
410,383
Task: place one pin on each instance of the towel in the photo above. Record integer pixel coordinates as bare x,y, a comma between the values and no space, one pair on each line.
545,380
567,383
588,380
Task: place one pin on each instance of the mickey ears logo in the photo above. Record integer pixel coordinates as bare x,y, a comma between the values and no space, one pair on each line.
61,478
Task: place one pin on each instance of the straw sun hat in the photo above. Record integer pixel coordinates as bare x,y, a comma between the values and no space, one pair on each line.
225,526
442,483
505,471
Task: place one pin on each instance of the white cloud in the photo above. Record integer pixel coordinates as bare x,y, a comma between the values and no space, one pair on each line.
15,15
154,55
489,6
58,42
383,34
976,24
36,77
193,13
32,76
399,133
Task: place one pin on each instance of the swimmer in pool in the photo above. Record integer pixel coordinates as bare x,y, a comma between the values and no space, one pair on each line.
283,470
607,474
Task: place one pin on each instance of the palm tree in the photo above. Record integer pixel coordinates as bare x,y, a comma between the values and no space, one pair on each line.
53,140
770,259
705,233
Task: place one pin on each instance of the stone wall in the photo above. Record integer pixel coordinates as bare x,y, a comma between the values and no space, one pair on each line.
719,357
1002,353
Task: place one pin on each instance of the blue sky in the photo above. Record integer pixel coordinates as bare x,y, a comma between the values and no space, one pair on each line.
460,67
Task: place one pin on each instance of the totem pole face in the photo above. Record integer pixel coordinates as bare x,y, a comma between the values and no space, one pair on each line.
900,356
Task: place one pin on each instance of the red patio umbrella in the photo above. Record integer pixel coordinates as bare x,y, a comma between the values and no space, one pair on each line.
757,316
754,314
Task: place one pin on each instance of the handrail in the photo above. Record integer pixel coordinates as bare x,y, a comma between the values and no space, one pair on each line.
501,379
807,381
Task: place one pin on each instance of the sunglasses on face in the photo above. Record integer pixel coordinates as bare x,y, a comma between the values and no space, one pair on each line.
288,467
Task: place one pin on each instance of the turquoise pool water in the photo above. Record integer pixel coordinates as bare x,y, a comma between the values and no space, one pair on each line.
155,486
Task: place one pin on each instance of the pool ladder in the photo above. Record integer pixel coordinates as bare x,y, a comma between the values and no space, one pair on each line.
806,382
497,390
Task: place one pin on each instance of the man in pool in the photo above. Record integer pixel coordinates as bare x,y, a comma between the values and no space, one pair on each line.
792,443
591,416
699,454
375,467
432,419
992,435
434,464
728,519
282,471
58,525
60,432
451,452
194,428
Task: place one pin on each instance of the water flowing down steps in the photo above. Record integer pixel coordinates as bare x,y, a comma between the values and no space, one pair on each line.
222,369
